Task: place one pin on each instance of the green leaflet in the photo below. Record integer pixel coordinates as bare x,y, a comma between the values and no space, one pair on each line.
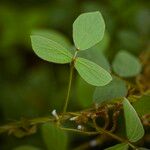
26,147
122,146
92,73
115,89
134,127
54,36
50,50
126,65
88,30
54,138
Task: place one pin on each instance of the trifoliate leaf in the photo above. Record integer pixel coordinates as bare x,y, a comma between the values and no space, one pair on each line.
123,146
54,138
50,50
92,73
134,127
88,30
115,89
126,65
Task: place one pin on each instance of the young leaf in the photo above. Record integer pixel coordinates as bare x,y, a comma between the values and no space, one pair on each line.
50,50
92,73
54,138
26,147
88,30
123,146
115,89
134,127
126,65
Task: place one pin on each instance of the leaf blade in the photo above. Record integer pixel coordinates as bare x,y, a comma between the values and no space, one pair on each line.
92,73
88,30
126,65
134,127
49,50
55,36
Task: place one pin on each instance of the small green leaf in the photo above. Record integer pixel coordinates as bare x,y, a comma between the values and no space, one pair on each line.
50,50
26,147
126,65
134,127
142,105
54,138
115,89
122,146
88,30
92,73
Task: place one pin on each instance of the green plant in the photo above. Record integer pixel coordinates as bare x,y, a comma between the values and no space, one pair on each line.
88,30
111,93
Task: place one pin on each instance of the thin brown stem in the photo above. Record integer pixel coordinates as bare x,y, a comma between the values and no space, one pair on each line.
31,122
101,130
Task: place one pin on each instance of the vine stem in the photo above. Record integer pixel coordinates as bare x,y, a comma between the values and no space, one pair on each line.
90,133
101,130
70,82
69,88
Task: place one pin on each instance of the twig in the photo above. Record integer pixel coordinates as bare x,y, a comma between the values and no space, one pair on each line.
103,131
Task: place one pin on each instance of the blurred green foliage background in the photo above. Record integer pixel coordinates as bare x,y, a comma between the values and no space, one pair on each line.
31,87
